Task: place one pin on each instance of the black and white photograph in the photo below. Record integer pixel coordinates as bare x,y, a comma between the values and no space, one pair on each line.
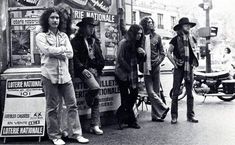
117,72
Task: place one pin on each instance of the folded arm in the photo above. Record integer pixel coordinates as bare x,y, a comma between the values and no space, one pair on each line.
60,52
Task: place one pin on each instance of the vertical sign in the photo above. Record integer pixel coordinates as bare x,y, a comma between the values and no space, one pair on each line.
25,108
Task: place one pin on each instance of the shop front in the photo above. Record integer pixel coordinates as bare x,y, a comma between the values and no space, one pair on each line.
22,101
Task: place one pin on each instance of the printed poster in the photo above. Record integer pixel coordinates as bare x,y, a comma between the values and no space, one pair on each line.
28,3
20,47
109,96
25,108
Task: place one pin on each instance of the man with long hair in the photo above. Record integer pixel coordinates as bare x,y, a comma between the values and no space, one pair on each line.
55,51
128,56
88,65
183,59
152,44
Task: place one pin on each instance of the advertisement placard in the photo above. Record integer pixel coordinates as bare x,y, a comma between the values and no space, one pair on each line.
25,108
109,98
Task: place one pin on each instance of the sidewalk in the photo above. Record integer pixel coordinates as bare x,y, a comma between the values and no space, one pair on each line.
215,127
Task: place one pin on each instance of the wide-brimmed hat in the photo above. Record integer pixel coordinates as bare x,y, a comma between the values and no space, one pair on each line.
87,21
183,21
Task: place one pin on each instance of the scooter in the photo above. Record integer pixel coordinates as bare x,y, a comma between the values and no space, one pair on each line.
217,84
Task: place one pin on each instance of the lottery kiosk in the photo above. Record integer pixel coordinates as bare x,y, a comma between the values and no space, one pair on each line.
22,101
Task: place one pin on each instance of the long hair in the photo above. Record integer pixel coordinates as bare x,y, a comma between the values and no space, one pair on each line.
131,36
82,32
66,18
45,16
144,23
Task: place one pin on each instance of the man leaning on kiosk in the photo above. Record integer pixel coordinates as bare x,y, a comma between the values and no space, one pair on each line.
88,65
55,51
183,59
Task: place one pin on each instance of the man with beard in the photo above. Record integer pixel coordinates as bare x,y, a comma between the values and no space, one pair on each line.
183,59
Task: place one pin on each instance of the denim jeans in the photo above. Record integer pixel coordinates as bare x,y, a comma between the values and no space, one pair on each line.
152,84
92,97
177,80
53,92
128,98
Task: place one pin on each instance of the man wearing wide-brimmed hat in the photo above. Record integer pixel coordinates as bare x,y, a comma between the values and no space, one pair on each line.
88,64
183,59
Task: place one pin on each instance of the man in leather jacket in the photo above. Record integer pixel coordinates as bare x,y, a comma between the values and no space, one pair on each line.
88,64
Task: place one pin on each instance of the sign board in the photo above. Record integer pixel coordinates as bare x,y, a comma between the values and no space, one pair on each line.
25,108
24,21
204,32
28,2
109,97
207,31
101,17
77,14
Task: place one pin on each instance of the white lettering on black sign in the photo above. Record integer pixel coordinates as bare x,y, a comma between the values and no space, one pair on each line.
24,84
23,130
102,17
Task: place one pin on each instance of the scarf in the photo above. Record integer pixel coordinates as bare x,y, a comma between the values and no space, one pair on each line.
186,58
185,43
147,64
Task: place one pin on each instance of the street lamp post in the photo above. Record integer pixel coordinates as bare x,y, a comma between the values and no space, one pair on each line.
208,54
207,5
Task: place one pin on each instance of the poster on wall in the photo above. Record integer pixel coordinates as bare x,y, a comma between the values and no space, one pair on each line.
109,96
28,3
24,26
104,6
25,107
111,41
20,47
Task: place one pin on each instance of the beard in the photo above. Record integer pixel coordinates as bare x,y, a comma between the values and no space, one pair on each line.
185,31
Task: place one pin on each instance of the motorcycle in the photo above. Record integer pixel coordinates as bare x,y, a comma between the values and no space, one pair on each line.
218,84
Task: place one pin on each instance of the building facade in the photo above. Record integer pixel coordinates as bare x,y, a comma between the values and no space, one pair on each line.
165,16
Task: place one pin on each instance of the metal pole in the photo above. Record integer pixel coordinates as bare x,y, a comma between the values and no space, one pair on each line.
132,12
208,55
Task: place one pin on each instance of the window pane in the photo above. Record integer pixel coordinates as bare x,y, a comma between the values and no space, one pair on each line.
160,21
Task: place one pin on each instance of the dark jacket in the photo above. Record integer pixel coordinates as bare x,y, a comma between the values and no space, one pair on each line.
157,51
179,52
81,59
123,60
